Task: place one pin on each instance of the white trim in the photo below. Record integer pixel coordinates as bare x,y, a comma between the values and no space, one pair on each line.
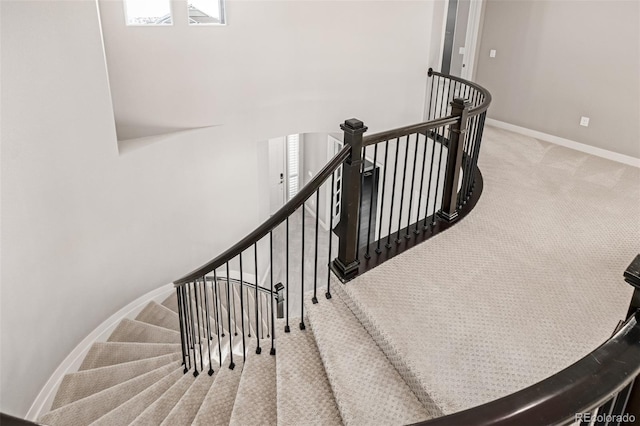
72,362
567,143
471,39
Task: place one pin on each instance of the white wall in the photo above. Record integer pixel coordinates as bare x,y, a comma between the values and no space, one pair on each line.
88,226
277,68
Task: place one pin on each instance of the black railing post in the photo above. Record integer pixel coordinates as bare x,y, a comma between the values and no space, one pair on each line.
449,210
346,264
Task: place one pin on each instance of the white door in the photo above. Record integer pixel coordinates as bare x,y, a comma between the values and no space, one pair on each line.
276,174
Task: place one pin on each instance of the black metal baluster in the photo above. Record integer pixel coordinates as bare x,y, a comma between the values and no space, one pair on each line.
471,141
193,326
302,326
244,344
246,290
424,162
255,252
229,291
198,308
187,310
273,330
404,179
431,98
438,94
384,181
413,180
438,177
206,310
286,299
375,159
182,334
433,153
315,260
393,193
233,300
328,293
362,155
219,322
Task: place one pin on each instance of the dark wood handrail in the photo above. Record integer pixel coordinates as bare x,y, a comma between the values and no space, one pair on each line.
579,388
486,95
271,223
408,130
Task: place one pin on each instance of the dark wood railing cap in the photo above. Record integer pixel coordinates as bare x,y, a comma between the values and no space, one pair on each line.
353,125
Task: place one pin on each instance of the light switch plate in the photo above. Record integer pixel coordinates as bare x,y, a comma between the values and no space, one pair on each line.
492,53
584,121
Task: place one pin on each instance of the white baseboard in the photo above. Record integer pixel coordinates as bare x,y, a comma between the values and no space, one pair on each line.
72,362
567,143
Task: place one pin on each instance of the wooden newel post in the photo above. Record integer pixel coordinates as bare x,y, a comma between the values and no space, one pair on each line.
461,108
346,264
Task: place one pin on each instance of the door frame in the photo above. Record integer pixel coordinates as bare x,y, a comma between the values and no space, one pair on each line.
472,40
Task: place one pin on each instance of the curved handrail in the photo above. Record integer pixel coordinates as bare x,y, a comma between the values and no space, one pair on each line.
487,96
579,388
271,223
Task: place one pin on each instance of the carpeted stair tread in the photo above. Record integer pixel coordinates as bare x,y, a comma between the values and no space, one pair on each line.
155,413
159,315
130,410
187,407
367,388
136,331
218,403
171,302
256,401
304,392
102,354
91,408
82,384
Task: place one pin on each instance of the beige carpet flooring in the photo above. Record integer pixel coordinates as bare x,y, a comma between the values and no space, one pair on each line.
527,284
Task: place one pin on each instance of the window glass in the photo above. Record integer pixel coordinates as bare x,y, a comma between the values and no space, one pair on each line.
206,12
148,12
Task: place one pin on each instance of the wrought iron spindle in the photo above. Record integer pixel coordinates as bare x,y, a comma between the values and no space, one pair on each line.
434,138
193,331
219,322
273,331
286,299
206,310
433,221
244,343
360,198
331,214
198,308
255,252
229,291
182,332
424,162
315,260
393,193
384,181
431,97
373,185
302,326
404,179
233,300
413,180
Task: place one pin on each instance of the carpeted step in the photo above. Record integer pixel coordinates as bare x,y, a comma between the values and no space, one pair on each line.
136,331
187,407
79,385
256,402
171,302
155,413
367,388
102,354
304,392
218,403
159,315
91,408
130,410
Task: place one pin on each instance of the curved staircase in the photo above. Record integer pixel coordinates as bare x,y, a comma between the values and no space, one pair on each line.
320,375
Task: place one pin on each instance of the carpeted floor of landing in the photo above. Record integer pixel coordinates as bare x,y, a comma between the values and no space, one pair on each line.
527,284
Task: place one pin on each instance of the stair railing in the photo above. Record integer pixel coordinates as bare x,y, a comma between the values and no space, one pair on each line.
432,165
